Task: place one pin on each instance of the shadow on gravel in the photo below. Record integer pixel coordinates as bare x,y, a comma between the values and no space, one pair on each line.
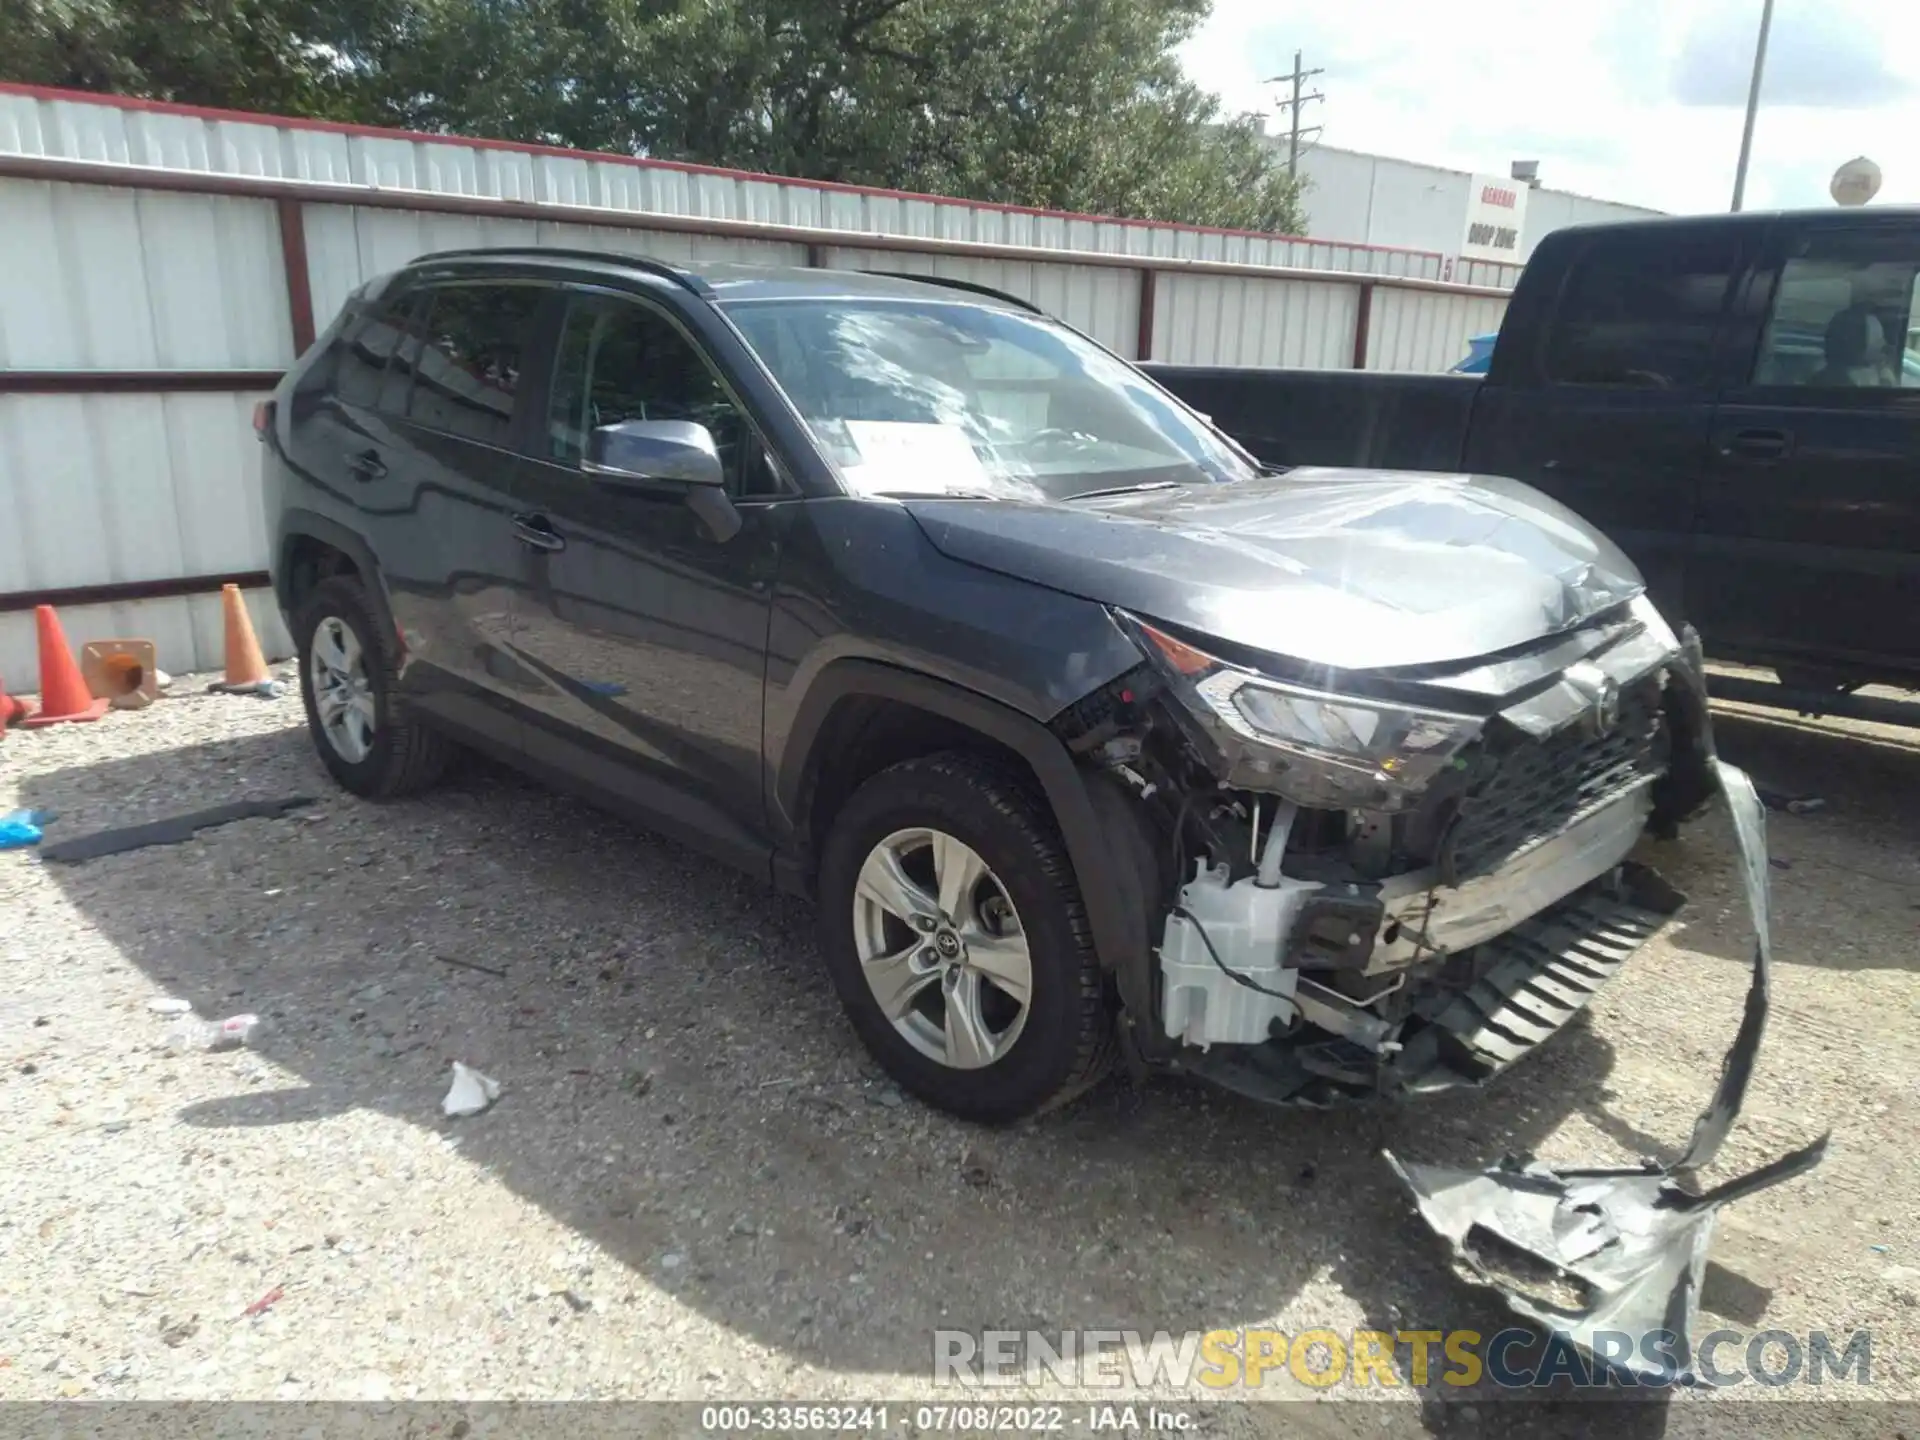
680,1087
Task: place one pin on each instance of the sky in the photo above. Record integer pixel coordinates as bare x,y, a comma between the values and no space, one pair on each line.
1638,101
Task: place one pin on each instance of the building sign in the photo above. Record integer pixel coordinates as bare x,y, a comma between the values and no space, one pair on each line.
1496,219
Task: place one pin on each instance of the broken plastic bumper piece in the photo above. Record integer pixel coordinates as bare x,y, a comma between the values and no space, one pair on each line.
1586,1251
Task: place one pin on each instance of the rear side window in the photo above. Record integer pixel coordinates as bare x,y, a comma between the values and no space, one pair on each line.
1643,311
366,345
473,345
1844,313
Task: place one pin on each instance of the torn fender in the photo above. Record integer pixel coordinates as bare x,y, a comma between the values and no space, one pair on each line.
1581,1251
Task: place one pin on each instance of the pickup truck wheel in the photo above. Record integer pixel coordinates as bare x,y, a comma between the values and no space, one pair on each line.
364,735
955,934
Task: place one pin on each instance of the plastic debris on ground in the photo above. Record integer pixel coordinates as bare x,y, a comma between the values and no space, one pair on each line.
265,1302
167,1005
470,1093
228,1034
21,828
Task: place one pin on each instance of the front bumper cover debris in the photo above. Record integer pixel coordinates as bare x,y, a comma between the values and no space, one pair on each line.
1585,1251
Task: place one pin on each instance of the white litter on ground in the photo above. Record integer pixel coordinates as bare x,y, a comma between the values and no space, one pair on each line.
470,1093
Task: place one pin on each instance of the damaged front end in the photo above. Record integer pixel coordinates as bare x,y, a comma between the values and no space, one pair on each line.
1598,1254
1406,881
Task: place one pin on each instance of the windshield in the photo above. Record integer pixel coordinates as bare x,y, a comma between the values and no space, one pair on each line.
921,397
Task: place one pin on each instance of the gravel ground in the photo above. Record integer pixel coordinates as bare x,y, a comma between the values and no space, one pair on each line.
696,1186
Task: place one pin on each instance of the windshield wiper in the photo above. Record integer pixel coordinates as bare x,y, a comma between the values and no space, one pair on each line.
1127,489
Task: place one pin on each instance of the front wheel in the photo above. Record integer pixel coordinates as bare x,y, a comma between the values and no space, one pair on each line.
955,934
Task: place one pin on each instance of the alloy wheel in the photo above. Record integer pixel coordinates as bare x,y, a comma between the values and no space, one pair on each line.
942,948
342,691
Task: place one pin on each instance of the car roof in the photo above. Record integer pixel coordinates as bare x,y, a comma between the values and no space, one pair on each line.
730,282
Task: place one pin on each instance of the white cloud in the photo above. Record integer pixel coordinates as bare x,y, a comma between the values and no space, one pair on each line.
1638,101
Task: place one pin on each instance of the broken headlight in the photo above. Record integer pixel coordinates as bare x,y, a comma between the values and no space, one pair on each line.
1329,751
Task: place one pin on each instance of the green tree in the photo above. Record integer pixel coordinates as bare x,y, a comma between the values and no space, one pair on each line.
244,54
1059,104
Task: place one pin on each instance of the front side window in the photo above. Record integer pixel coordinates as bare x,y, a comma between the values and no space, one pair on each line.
621,361
1642,311
1844,314
468,371
912,397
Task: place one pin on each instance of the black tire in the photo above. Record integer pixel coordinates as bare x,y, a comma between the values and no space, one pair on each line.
405,755
1067,1042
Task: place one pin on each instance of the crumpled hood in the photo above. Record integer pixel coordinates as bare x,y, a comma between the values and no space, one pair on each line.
1359,569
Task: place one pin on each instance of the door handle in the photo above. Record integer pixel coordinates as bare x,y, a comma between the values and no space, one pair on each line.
1757,444
368,465
535,533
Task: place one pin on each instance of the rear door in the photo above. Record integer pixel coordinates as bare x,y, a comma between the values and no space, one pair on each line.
1808,544
435,481
646,634
1610,410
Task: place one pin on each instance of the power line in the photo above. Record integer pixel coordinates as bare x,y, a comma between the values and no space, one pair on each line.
1297,78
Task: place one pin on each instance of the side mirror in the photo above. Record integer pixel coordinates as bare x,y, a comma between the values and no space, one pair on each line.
671,452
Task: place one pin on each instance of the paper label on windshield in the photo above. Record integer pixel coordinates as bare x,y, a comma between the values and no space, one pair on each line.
906,458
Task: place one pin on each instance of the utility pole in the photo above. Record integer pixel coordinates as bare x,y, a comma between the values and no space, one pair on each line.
1298,78
1753,104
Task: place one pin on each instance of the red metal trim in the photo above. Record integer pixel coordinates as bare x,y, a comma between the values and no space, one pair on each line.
1143,337
293,252
375,132
134,382
144,177
127,591
1362,327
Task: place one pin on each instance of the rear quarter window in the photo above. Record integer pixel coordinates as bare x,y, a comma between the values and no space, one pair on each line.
365,346
1642,311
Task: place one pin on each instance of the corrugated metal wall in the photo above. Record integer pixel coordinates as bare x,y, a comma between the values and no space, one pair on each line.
116,281
1240,320
99,279
35,123
1420,331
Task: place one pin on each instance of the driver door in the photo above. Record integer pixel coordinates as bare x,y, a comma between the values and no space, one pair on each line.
647,634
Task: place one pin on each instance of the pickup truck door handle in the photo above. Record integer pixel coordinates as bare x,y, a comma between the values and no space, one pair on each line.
1757,444
367,465
535,533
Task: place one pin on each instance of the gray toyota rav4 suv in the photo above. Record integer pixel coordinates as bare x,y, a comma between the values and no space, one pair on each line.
1090,736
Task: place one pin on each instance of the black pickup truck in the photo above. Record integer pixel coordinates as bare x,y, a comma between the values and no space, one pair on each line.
1735,399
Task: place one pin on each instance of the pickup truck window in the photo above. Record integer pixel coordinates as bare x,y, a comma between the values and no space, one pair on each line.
1843,313
1641,310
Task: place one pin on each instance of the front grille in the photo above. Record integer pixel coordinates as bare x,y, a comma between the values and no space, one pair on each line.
1537,788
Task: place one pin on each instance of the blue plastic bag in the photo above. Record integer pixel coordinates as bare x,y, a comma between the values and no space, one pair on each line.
21,828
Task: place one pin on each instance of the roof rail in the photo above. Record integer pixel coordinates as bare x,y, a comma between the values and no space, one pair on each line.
969,285
684,279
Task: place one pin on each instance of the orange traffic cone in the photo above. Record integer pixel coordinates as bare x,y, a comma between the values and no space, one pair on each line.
12,711
247,672
63,691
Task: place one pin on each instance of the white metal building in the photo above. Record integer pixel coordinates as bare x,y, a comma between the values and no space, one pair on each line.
160,265
1377,200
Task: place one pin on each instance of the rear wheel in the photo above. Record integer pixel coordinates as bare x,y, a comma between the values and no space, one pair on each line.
954,931
360,727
